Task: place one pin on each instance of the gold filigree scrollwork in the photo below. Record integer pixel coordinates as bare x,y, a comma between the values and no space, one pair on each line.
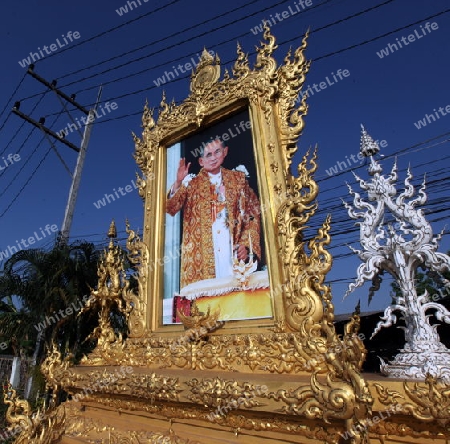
343,394
164,109
112,290
277,352
264,57
154,387
136,305
143,156
95,430
345,359
121,381
206,74
304,307
219,393
54,368
268,87
40,427
241,68
426,401
292,75
206,356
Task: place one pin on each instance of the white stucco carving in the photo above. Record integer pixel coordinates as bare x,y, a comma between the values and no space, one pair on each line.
397,239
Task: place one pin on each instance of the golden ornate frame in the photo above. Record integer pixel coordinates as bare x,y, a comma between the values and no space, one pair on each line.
175,391
270,95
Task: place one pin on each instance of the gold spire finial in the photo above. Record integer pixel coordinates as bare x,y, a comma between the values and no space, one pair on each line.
112,232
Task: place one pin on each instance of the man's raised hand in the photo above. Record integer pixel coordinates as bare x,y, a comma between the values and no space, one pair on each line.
182,172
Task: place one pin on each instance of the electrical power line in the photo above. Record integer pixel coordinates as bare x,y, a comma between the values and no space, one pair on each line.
108,31
202,34
175,45
182,78
11,98
336,52
162,39
21,169
27,182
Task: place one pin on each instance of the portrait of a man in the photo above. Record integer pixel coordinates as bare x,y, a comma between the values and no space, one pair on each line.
221,216
213,215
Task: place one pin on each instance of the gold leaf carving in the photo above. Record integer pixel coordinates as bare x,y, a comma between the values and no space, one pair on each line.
138,256
40,427
426,401
217,392
241,68
233,420
155,387
206,74
95,430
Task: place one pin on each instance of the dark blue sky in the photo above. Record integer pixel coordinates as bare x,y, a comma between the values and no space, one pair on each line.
388,91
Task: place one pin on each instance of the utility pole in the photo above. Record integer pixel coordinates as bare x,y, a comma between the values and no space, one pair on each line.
73,193
76,176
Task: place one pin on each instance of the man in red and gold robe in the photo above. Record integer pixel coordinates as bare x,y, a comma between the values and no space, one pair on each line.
221,216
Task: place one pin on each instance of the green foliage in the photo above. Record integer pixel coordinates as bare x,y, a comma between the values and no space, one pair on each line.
432,282
36,288
41,297
38,389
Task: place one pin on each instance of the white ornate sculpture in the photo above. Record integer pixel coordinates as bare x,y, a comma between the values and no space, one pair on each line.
399,246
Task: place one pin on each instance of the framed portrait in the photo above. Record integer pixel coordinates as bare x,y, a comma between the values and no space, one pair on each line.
247,209
214,249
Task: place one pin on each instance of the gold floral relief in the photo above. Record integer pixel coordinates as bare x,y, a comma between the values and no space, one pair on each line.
426,401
